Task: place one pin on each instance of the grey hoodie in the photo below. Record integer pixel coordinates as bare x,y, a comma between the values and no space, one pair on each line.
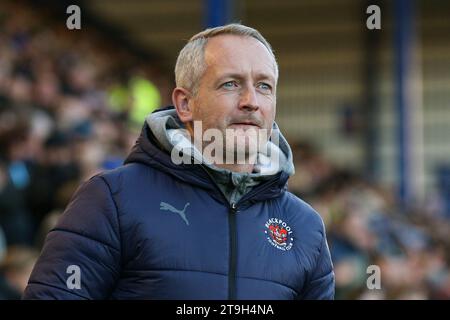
168,130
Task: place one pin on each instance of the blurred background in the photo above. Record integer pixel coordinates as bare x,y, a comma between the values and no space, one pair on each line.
367,113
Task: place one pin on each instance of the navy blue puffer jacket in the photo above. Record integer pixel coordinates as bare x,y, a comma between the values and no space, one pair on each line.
155,230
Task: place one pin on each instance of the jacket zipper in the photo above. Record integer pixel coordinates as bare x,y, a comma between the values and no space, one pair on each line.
233,245
232,242
233,237
233,251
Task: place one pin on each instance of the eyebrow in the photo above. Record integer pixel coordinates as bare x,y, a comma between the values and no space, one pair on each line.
259,76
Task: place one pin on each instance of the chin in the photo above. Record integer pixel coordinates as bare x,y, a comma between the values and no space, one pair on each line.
242,145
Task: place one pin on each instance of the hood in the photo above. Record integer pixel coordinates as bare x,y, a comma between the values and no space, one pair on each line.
161,134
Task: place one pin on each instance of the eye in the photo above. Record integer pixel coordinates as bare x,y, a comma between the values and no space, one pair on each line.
230,84
264,86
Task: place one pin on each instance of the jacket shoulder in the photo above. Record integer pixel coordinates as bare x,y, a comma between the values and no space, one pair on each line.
127,174
133,169
301,210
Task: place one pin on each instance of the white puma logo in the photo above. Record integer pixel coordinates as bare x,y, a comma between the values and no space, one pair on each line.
166,206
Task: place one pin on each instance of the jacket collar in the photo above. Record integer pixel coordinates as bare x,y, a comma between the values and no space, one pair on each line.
150,151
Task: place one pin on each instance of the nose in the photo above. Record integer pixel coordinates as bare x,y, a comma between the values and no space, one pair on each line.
249,100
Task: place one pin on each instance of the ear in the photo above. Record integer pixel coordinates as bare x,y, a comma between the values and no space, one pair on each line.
180,99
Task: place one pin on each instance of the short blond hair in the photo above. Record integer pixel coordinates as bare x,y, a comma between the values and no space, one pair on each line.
190,64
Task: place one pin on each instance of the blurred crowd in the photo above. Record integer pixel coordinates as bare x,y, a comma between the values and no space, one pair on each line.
366,226
72,104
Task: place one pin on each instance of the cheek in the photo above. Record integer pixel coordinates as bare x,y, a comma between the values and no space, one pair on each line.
268,110
208,115
216,110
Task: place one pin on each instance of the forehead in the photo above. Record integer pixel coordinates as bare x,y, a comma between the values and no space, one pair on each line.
242,54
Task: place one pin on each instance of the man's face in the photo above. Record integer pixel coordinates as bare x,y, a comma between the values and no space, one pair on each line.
237,90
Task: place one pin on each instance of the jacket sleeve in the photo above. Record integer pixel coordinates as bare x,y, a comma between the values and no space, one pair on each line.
81,255
321,285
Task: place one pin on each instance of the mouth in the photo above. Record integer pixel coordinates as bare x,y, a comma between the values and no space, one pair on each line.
245,124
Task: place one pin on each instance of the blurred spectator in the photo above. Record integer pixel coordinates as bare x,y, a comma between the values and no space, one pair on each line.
15,219
366,227
57,124
2,244
15,269
46,226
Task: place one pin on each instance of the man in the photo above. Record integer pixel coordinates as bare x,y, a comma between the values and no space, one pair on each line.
179,221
